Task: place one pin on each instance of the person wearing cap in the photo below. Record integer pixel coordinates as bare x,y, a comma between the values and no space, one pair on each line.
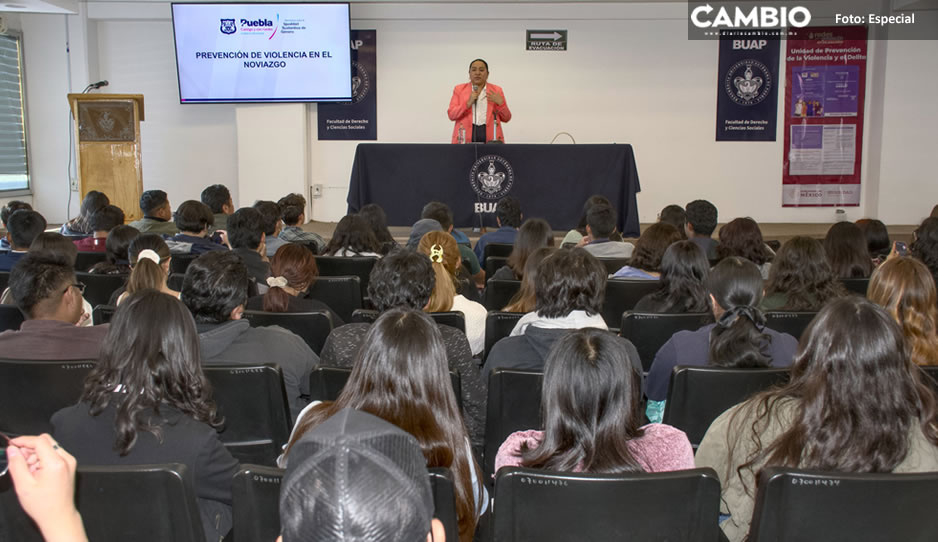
357,477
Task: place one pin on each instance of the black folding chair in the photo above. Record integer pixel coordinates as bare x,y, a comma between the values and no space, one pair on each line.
341,294
514,404
98,288
10,317
444,500
180,262
253,401
339,266
649,331
498,325
33,391
499,292
535,504
794,505
4,280
856,286
87,260
255,495
313,327
791,322
494,263
102,314
497,250
621,296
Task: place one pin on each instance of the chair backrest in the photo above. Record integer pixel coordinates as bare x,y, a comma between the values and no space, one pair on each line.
364,316
338,266
614,264
856,286
175,281
497,250
341,294
498,325
444,500
791,322
622,295
10,317
253,401
499,292
794,505
698,395
931,374
86,260
255,497
649,331
494,263
514,404
4,280
454,319
102,314
33,391
180,262
98,288
534,504
313,327
326,383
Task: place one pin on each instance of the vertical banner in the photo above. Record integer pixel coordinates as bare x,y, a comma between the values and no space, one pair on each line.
747,97
358,119
826,81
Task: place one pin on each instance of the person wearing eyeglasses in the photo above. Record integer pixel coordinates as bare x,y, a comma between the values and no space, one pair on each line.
44,288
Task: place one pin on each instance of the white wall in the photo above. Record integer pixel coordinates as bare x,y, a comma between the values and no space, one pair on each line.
629,76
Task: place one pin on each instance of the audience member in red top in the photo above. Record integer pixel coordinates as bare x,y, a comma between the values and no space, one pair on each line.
103,221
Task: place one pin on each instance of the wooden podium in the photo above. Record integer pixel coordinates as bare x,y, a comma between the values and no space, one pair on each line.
107,129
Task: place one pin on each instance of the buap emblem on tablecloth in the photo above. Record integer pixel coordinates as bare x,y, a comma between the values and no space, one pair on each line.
491,177
748,82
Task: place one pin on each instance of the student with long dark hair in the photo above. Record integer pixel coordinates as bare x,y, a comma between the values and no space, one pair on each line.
117,260
739,337
146,401
81,224
924,246
855,403
845,246
649,250
377,219
525,300
400,375
353,237
905,288
742,237
292,271
592,420
534,234
684,272
877,238
800,278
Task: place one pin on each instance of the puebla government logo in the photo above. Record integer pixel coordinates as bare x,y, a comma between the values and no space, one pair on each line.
228,26
361,82
748,82
491,177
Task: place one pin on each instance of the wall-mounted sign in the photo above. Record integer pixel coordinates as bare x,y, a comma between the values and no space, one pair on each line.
546,40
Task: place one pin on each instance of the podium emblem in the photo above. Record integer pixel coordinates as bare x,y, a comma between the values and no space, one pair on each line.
228,26
491,177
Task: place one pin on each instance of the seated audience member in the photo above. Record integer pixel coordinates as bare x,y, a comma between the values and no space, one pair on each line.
739,337
508,217
247,239
157,214
270,213
353,237
444,215
701,221
7,210
116,245
44,288
800,278
877,239
600,223
855,403
81,224
904,287
845,246
292,271
150,268
378,220
924,245
525,300
443,252
147,402
569,287
293,215
684,272
674,215
649,249
215,290
43,475
535,233
405,279
22,229
55,245
193,219
741,237
103,221
934,212
592,419
218,199
400,376
419,229
575,236
356,473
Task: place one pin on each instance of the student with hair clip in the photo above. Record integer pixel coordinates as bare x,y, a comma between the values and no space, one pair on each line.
855,403
533,235
739,337
150,268
684,272
146,401
592,420
441,248
293,270
526,298
904,287
117,260
400,375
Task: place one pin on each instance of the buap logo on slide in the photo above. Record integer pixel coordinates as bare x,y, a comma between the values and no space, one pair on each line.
491,177
228,26
748,82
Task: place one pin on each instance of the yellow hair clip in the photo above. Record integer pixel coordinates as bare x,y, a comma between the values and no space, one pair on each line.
436,254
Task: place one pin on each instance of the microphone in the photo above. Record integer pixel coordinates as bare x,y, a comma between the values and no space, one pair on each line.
475,88
95,86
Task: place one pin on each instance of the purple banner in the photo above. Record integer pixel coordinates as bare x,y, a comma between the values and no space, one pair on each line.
747,97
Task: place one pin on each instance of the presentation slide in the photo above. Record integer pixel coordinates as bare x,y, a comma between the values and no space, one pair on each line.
263,52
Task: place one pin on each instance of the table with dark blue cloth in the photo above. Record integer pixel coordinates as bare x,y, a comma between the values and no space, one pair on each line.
551,181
